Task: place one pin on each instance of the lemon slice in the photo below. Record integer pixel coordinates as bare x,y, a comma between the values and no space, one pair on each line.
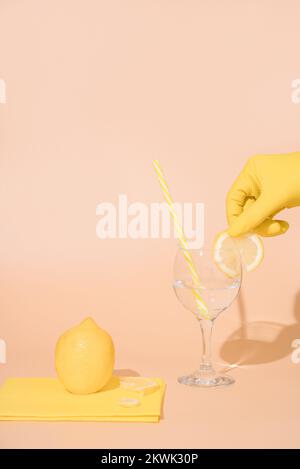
129,402
250,246
138,385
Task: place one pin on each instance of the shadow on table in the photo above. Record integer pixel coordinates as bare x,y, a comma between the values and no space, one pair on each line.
126,372
114,382
260,341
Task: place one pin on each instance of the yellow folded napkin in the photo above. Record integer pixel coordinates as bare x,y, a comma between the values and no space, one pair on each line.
45,399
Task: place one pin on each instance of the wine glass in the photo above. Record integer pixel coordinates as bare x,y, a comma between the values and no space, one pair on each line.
197,274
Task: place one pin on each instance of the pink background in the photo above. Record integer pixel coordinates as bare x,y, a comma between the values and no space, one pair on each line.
95,91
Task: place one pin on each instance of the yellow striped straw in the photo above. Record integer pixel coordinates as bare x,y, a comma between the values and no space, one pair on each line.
203,310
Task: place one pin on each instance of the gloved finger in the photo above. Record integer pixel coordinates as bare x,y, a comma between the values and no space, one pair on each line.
251,217
271,227
241,191
268,227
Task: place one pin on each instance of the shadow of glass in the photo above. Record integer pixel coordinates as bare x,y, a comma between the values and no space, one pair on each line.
261,341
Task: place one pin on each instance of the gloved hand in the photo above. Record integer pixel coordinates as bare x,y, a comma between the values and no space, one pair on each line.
267,185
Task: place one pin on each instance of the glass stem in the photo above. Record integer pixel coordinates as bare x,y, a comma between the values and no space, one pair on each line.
206,330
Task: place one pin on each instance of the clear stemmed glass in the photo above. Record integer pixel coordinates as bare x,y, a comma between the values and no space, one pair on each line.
218,290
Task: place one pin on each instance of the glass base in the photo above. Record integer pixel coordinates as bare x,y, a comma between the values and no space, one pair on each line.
206,380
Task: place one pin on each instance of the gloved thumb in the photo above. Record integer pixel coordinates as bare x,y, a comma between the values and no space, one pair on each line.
271,227
268,227
252,217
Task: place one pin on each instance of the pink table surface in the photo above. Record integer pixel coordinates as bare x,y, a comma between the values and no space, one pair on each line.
260,410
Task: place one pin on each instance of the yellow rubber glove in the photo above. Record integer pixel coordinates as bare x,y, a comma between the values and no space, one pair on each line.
267,185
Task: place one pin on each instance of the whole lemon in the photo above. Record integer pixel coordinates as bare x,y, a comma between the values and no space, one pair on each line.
84,358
